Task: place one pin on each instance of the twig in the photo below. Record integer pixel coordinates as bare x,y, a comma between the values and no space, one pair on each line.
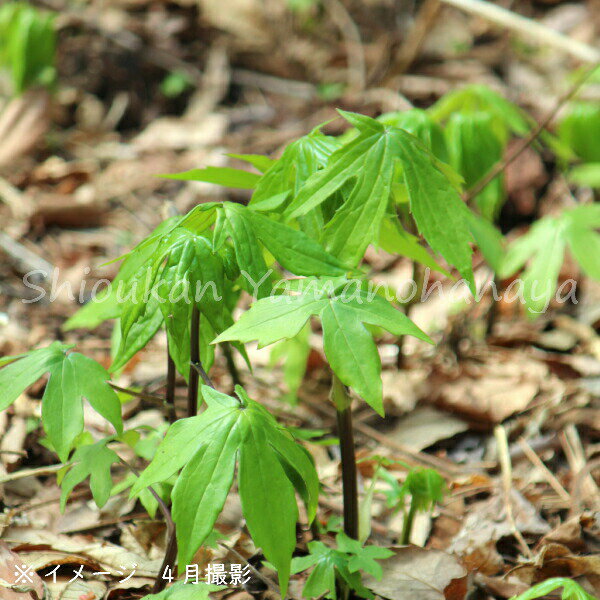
270,584
531,29
25,258
583,482
550,478
520,148
164,509
106,523
582,476
504,457
21,474
422,25
143,395
171,551
274,85
357,70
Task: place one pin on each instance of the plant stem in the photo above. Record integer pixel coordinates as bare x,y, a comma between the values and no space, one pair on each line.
171,551
170,391
407,526
342,402
192,407
233,370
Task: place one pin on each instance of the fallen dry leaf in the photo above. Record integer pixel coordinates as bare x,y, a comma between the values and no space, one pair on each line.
426,426
486,523
506,383
420,574
17,576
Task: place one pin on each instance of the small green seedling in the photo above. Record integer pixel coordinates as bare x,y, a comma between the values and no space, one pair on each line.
571,590
344,563
27,46
425,487
579,129
541,251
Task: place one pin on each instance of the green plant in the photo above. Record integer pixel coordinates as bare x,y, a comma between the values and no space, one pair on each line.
27,46
344,563
426,487
579,129
297,249
541,250
571,590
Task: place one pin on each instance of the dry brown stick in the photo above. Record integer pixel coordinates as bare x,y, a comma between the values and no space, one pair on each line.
423,23
504,457
531,29
583,482
357,70
527,141
159,400
270,584
550,478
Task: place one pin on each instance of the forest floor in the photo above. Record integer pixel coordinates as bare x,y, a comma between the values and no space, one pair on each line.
510,419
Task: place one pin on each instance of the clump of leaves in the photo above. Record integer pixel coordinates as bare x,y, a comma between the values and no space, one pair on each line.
571,590
478,123
27,46
424,486
541,251
345,563
579,129
73,377
204,451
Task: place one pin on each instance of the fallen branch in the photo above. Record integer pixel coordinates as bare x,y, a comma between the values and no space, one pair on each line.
531,29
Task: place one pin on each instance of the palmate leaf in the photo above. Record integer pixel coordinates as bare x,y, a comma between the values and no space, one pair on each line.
93,461
108,303
258,161
489,240
348,346
422,126
271,464
507,116
73,377
370,161
580,130
587,175
256,276
292,249
294,354
541,252
395,240
286,176
346,561
140,333
474,148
